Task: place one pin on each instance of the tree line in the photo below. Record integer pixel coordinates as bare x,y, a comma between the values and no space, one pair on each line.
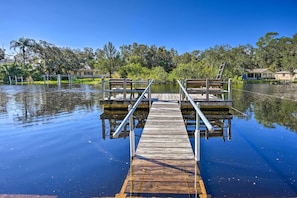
140,61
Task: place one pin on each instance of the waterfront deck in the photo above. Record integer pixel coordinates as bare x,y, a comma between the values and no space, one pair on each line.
164,164
215,94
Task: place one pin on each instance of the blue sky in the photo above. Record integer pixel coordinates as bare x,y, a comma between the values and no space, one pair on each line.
184,25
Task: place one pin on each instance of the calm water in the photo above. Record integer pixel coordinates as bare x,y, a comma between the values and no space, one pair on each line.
52,142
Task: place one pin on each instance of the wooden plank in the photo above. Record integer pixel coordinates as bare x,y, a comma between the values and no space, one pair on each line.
164,163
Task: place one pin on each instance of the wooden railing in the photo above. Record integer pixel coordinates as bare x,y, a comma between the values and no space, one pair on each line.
209,87
124,86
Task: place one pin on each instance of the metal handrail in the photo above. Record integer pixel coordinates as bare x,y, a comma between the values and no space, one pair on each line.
131,111
199,112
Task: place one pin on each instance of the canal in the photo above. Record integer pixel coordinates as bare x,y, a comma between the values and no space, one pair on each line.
53,142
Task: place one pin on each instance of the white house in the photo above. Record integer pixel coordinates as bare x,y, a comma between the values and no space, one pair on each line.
259,73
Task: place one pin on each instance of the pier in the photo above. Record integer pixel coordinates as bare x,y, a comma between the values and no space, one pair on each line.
164,163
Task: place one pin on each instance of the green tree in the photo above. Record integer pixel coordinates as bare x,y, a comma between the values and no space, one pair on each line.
11,70
50,57
109,58
288,52
70,61
158,74
134,71
267,51
189,71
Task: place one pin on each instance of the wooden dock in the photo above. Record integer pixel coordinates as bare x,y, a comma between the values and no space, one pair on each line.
211,94
164,164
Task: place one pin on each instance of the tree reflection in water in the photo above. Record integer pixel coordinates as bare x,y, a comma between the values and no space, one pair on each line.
271,104
27,104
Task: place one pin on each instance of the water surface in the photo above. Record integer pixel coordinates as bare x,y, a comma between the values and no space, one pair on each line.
53,142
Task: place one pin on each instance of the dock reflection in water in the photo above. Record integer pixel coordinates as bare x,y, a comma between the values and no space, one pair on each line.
114,119
220,120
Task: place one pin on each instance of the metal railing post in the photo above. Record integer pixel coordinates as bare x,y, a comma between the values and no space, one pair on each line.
150,97
130,113
197,136
180,97
132,134
202,116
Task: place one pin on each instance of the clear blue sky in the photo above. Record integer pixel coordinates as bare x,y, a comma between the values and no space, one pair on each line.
184,25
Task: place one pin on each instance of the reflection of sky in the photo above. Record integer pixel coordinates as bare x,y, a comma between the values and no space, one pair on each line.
258,161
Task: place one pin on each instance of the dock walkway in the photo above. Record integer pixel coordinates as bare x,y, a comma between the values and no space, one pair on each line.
164,164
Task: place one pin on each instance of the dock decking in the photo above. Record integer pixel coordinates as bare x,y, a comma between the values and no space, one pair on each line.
164,164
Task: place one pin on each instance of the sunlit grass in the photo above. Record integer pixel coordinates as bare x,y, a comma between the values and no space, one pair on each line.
89,81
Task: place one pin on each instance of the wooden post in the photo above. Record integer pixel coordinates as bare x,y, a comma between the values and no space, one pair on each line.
124,87
59,79
10,81
230,89
197,136
103,129
69,79
207,89
132,134
229,129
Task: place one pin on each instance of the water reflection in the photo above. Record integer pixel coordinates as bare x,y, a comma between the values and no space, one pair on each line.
26,104
114,119
269,104
220,120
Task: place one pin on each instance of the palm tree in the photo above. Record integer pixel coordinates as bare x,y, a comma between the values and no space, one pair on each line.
24,44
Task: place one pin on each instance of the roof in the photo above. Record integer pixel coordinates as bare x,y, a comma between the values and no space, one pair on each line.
259,70
283,72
